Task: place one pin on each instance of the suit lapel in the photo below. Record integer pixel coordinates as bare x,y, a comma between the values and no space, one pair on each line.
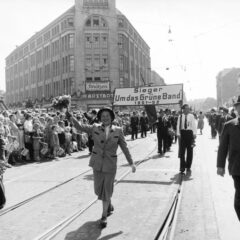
111,131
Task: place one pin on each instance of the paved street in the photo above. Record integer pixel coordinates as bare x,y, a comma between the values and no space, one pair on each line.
206,210
141,200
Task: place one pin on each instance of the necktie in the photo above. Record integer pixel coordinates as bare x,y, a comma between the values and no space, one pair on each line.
185,122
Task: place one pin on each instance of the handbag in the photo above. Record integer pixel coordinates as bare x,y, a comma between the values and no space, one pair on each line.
25,152
44,150
60,152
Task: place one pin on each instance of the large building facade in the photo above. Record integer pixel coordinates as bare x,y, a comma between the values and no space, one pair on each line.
227,86
87,52
156,79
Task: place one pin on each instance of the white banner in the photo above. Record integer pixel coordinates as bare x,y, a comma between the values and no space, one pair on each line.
154,95
97,86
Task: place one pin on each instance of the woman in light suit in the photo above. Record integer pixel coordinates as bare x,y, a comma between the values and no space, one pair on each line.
103,160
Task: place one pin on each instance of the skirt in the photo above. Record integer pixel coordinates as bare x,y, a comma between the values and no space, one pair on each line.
103,185
200,124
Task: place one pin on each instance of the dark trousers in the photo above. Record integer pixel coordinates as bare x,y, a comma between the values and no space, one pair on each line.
153,128
186,144
169,141
134,133
162,143
79,141
29,146
143,131
213,131
90,144
237,195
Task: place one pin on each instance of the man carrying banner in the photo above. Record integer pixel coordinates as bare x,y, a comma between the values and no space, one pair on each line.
186,131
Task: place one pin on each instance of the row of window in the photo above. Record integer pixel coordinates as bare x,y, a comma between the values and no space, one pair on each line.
67,43
123,23
135,68
96,62
95,4
47,72
23,51
96,22
96,40
135,52
124,63
49,90
97,79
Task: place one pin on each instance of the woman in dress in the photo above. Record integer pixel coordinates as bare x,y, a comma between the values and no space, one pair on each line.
200,122
103,160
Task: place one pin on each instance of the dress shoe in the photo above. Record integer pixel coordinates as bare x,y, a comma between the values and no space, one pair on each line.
110,209
182,170
103,222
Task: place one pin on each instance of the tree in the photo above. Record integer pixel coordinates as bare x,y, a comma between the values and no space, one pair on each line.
209,103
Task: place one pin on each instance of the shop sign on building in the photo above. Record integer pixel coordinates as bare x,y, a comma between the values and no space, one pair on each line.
97,96
155,95
98,86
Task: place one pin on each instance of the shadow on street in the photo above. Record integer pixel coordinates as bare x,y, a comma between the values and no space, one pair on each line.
89,231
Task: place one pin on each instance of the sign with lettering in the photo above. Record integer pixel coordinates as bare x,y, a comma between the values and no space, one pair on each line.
97,96
154,95
97,86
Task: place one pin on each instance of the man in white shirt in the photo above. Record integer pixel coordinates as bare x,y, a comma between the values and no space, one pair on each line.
186,132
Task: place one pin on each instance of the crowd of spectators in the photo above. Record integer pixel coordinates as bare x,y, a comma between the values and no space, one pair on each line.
37,135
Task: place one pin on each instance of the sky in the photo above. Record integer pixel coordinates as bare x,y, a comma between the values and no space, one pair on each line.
204,36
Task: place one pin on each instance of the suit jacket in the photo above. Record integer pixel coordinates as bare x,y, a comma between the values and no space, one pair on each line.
104,154
229,145
134,121
222,120
162,125
143,121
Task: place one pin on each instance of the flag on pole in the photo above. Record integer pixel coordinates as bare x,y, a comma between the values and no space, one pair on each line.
151,113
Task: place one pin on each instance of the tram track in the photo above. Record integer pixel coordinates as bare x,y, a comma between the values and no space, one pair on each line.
56,229
32,198
166,231
8,181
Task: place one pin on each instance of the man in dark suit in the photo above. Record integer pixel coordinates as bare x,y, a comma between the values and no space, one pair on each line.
134,125
143,124
225,117
162,132
213,119
229,146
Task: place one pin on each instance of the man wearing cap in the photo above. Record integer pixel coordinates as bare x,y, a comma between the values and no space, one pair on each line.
186,132
229,146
